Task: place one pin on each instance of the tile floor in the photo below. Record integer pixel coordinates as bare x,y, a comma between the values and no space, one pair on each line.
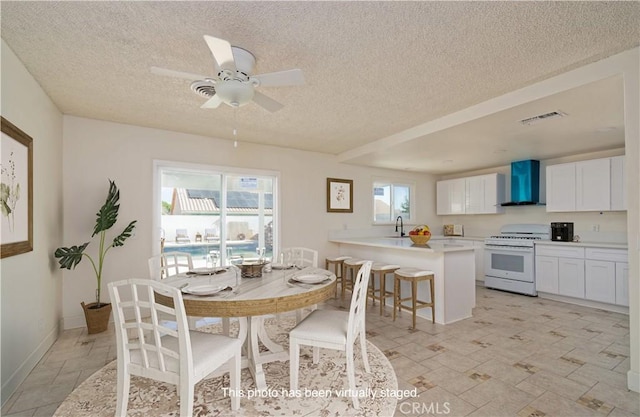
518,356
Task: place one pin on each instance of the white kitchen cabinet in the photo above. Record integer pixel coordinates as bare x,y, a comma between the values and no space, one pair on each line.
588,273
561,187
593,185
622,283
484,194
571,277
547,274
618,184
450,196
600,281
560,270
480,194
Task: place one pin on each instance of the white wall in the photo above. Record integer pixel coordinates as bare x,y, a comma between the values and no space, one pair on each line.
31,285
96,150
631,71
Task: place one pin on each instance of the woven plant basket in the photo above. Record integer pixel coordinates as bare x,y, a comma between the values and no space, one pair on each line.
97,318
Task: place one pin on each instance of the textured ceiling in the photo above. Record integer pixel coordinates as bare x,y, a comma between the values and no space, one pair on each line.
372,69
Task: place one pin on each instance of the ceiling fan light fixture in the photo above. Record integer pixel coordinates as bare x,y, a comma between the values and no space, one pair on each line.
235,93
234,83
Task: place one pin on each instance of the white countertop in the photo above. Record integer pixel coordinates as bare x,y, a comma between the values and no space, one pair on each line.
583,244
435,245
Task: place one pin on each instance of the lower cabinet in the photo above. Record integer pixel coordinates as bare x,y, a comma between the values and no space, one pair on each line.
600,281
622,283
593,274
571,277
547,274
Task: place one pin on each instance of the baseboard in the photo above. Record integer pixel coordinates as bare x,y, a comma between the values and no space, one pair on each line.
585,303
633,381
73,322
18,377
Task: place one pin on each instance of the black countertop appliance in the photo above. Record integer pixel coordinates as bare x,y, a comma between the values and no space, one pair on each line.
562,232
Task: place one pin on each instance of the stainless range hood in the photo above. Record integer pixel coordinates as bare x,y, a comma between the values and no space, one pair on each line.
525,183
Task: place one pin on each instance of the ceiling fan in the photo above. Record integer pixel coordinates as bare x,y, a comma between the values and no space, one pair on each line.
234,83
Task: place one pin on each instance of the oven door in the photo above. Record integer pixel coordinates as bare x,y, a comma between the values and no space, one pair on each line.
509,262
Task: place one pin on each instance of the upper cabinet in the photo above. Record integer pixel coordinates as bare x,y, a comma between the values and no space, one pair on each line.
594,185
618,184
450,196
561,187
480,194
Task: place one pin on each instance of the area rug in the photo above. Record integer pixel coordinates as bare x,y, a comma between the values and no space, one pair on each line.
321,388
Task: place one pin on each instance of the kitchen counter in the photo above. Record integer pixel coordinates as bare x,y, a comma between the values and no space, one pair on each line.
583,244
434,245
453,265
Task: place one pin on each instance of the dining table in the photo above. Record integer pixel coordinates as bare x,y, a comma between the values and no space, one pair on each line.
223,292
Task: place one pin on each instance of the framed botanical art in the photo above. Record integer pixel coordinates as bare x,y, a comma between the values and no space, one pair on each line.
339,195
16,191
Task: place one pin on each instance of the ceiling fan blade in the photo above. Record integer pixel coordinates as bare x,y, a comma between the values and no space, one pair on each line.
222,53
267,103
177,74
281,78
212,103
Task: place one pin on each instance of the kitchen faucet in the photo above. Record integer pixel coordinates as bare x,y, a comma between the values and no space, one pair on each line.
401,226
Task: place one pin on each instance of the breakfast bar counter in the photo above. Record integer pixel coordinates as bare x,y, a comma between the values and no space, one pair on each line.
452,264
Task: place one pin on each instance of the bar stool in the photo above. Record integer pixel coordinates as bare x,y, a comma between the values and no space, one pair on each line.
413,275
350,268
336,262
381,292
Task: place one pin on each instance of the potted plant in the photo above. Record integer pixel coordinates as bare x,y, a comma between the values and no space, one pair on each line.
97,314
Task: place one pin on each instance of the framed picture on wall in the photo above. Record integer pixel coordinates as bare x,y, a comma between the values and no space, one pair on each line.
16,191
339,195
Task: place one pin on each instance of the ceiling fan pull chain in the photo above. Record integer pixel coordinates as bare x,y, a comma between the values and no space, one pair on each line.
235,131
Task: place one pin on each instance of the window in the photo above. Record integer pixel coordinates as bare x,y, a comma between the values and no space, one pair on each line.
217,214
392,199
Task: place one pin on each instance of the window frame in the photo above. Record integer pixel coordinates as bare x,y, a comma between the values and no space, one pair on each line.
393,182
224,171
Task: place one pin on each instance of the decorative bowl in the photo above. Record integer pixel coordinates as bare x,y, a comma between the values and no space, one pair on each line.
420,239
252,269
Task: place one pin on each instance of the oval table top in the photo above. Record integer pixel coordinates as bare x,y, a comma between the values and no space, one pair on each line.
275,292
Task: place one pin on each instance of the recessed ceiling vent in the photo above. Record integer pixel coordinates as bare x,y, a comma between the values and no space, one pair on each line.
203,88
543,117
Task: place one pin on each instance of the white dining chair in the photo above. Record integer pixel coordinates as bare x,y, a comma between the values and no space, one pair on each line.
148,349
174,263
157,271
334,329
301,257
165,265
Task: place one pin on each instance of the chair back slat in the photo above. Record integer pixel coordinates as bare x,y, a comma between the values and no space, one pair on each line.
301,256
358,302
174,263
150,348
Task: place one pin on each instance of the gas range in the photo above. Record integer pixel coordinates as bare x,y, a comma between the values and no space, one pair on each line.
520,235
509,257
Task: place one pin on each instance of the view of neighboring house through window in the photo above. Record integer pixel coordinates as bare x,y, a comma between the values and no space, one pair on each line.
218,217
391,200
